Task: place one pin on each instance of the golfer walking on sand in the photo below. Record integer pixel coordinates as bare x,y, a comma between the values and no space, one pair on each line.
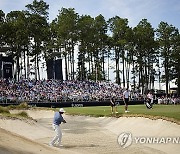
58,119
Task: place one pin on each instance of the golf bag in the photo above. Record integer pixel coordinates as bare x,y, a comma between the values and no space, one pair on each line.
148,104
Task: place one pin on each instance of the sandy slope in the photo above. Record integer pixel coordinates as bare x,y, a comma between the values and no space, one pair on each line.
84,135
11,143
144,127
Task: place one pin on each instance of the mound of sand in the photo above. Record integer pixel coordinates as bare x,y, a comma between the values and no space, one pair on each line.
83,134
144,127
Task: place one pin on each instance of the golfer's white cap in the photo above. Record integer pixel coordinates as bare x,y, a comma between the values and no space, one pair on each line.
62,110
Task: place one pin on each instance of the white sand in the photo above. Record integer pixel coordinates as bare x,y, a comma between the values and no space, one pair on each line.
84,135
144,127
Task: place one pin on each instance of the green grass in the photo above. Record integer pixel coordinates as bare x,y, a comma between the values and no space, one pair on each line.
167,112
93,111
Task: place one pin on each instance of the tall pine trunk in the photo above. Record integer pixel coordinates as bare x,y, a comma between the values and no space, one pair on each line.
123,62
73,70
25,72
38,70
28,64
117,66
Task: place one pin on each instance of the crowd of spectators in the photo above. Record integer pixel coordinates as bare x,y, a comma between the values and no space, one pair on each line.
168,100
56,90
27,90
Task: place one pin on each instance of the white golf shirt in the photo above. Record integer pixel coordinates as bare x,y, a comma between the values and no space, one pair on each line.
126,94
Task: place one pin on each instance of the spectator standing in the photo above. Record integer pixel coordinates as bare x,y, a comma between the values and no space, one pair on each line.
150,97
126,95
113,105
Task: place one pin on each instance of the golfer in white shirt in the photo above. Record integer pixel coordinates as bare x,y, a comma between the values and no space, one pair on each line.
126,95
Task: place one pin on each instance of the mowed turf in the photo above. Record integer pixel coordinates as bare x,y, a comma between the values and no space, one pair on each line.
159,111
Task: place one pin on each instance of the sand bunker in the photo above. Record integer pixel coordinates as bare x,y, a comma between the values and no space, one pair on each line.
84,134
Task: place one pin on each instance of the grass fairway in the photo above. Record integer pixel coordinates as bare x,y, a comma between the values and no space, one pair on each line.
167,112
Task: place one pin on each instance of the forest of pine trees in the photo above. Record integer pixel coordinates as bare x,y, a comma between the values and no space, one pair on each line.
141,54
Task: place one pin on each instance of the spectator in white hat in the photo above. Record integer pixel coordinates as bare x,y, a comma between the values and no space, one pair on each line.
58,119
